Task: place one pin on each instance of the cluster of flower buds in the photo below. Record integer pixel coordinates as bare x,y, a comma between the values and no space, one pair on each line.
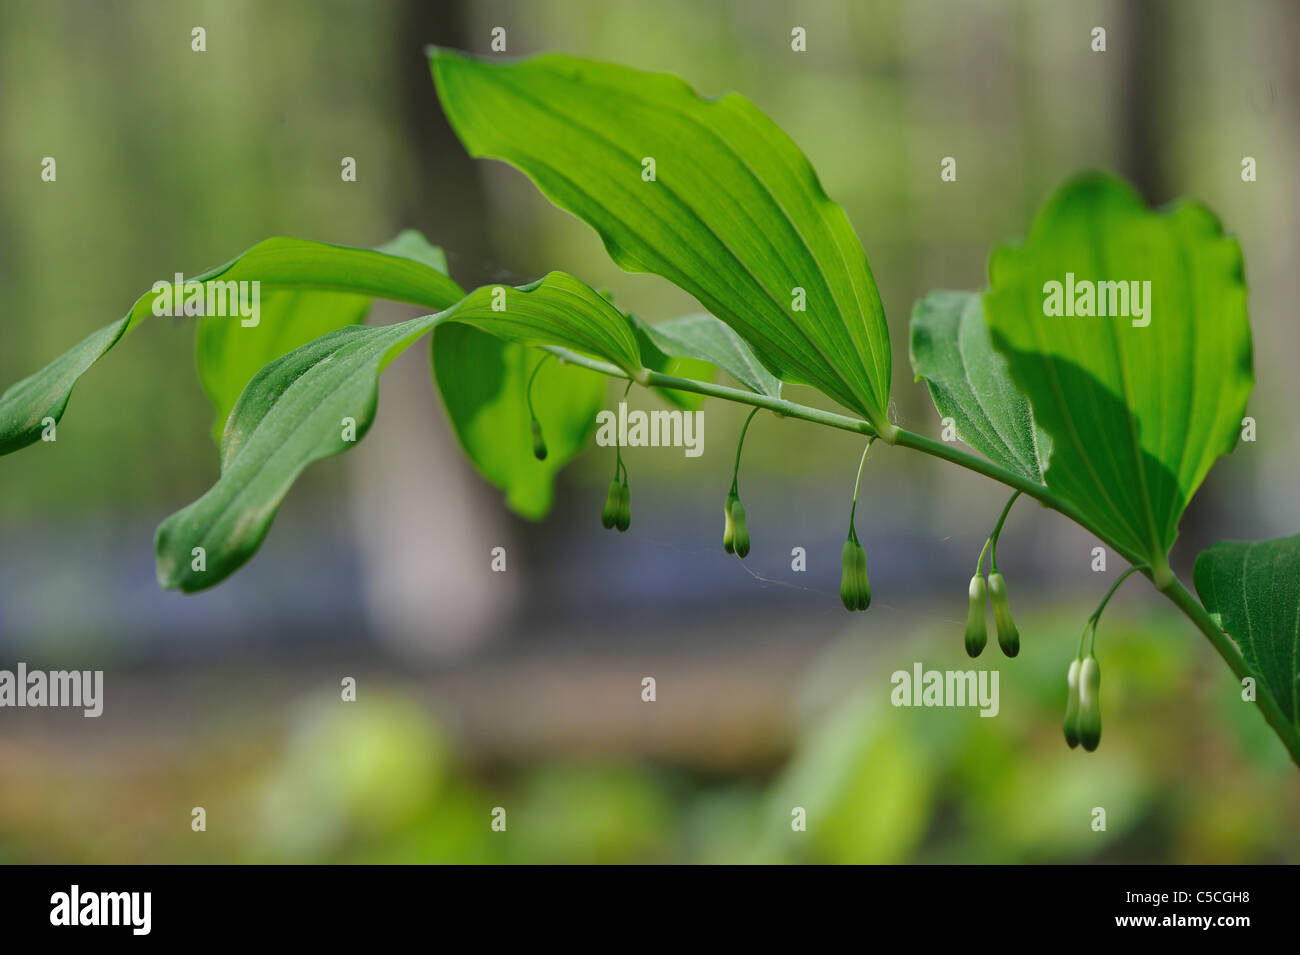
617,511
1083,702
976,630
994,590
1082,680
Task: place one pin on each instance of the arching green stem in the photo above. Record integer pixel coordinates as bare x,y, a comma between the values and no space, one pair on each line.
620,469
1161,576
991,544
1096,614
735,471
528,392
1264,699
853,510
997,532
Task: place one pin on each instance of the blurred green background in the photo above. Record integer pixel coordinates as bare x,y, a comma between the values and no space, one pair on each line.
523,690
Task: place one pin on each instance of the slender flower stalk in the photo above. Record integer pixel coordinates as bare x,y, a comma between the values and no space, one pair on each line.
855,588
735,532
539,442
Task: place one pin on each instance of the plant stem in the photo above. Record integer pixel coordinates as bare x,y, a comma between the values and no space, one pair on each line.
1019,482
1192,609
619,466
899,436
1095,619
1161,577
655,379
853,531
528,392
735,471
1096,614
992,543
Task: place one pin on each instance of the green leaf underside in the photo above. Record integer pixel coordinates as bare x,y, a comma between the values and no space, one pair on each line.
279,264
735,216
707,339
655,359
1253,591
228,353
483,382
969,382
1136,415
292,412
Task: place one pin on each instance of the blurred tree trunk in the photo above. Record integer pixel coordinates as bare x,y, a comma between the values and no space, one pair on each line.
1144,30
425,521
446,196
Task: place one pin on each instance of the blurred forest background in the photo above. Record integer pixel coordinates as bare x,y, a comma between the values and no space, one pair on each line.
522,690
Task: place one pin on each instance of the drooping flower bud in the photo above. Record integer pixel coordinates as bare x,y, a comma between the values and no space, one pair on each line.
539,444
1071,725
977,634
849,576
623,517
740,530
1089,703
728,526
855,588
1008,635
864,584
609,513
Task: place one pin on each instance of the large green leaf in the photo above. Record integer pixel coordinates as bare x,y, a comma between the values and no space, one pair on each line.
319,399
735,214
1137,413
228,353
1252,589
969,382
483,382
278,264
706,339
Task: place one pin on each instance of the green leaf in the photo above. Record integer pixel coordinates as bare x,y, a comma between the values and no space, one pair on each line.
296,410
968,381
735,214
26,404
399,271
228,353
705,338
1137,414
483,382
656,359
278,264
306,405
411,244
557,310
1252,589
